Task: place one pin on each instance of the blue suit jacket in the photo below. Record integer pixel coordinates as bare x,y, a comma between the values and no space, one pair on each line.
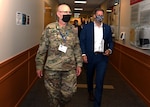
87,39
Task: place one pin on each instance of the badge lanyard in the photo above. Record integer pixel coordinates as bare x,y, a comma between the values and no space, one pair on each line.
63,48
63,36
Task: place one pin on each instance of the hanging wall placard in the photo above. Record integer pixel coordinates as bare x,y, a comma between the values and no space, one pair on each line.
134,1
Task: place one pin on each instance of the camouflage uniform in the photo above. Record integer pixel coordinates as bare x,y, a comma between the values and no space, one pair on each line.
60,74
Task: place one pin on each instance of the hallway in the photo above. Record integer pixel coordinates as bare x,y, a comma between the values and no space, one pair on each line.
117,93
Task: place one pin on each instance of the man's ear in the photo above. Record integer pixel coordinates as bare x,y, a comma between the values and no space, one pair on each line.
94,16
58,15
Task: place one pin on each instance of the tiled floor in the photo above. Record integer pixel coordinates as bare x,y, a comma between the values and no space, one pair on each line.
116,93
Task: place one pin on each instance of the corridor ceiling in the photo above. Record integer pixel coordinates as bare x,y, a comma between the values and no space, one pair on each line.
87,8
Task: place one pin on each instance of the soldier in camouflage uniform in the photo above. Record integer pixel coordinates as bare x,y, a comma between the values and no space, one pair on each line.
59,54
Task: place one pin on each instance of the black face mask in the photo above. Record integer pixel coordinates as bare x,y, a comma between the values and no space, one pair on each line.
66,18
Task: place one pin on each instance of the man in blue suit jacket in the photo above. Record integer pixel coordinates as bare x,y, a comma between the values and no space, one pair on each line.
96,45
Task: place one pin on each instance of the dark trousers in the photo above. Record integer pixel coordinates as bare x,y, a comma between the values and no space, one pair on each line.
97,65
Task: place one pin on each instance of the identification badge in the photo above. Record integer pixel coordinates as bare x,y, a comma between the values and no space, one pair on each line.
62,48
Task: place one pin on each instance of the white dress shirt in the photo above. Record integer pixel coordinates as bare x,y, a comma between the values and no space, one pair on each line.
98,38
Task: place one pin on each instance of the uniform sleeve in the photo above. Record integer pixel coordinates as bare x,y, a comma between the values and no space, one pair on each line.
77,51
42,51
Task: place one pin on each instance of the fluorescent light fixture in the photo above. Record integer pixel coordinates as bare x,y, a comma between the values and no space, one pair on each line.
82,2
116,4
78,8
108,10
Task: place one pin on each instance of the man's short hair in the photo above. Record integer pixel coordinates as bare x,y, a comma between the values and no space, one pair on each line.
75,20
64,4
98,9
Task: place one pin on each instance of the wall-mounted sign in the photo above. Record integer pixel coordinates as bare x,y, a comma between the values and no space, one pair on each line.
22,19
134,1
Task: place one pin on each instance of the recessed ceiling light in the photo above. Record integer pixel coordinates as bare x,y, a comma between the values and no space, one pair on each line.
116,4
78,8
108,10
82,2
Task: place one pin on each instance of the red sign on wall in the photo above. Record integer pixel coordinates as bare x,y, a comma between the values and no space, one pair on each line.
134,1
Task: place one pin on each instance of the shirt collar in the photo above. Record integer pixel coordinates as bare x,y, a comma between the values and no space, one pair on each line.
96,24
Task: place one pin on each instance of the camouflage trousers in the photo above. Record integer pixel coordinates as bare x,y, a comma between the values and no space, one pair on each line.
61,85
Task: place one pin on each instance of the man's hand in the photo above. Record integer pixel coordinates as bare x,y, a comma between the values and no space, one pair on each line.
39,73
85,60
107,52
78,70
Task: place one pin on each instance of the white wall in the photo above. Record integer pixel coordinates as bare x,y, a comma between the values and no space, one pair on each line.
15,39
125,13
